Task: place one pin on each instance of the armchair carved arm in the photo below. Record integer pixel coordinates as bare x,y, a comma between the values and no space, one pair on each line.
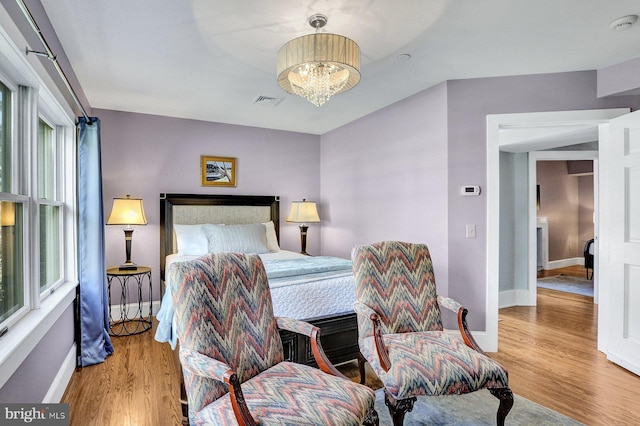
461,311
367,312
313,332
202,365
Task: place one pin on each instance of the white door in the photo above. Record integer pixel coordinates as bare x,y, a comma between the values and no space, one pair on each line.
620,243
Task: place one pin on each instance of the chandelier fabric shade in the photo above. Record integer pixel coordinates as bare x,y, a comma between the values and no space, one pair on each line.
318,66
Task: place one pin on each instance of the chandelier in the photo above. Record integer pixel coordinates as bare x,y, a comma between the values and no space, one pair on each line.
318,66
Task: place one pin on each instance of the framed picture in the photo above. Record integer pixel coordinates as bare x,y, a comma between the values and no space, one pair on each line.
218,171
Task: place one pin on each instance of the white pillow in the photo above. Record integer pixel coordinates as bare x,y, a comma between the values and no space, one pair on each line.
272,239
191,240
249,238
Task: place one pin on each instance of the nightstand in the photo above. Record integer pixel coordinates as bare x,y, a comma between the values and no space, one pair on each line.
130,320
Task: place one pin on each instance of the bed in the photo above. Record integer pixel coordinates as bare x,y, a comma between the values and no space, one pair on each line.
321,292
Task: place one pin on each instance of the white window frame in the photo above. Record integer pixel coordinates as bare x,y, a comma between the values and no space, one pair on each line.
59,160
26,330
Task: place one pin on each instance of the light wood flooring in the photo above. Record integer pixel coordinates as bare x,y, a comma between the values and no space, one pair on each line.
549,350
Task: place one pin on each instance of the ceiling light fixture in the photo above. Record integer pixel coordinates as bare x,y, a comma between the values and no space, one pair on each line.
318,66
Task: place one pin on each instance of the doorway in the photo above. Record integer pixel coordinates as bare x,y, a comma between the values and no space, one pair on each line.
520,134
565,212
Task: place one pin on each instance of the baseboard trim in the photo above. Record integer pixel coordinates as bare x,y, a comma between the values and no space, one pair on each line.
482,340
510,298
62,379
624,363
133,307
507,298
563,263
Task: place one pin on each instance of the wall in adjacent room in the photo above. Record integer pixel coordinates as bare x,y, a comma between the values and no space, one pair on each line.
585,211
567,202
559,199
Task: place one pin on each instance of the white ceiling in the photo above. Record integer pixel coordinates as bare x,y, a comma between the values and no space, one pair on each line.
209,59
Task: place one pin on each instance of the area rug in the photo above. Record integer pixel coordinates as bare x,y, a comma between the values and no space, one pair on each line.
568,284
477,408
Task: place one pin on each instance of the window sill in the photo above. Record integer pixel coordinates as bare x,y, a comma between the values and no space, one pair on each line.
21,338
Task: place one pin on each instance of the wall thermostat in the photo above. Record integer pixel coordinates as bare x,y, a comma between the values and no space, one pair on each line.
470,190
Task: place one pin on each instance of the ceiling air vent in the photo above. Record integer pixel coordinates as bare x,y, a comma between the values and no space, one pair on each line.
266,100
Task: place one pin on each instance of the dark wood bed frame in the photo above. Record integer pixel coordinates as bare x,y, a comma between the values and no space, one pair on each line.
338,333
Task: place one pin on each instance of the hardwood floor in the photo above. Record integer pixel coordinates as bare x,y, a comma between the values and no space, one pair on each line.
549,350
551,354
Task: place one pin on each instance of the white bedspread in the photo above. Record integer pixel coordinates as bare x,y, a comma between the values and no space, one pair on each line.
324,287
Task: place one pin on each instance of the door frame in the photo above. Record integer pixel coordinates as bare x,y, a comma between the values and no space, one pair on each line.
496,123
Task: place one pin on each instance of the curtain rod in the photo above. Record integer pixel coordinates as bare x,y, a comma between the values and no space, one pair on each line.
48,53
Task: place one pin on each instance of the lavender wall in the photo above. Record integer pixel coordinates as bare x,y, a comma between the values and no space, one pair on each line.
145,155
384,177
622,78
31,381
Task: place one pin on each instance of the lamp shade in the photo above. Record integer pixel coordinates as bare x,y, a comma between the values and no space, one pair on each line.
127,211
303,212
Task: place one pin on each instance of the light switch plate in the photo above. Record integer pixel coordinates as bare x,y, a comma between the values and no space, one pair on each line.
471,231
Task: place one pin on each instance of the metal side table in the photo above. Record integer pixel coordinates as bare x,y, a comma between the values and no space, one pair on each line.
131,319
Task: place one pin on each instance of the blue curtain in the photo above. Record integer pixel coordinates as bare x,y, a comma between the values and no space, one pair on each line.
95,343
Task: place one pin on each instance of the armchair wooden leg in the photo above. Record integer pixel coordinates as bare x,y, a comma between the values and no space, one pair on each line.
361,362
398,407
506,402
184,405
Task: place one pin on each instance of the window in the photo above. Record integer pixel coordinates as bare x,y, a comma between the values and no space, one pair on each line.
38,254
49,208
5,138
33,258
12,290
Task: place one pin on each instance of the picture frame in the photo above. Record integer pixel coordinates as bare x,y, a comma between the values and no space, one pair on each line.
218,171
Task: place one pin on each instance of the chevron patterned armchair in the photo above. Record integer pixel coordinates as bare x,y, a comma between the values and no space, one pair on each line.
232,356
401,335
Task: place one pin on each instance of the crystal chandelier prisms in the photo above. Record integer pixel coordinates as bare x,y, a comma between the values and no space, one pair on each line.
318,66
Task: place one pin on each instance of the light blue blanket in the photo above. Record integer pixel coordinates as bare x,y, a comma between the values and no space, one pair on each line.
282,268
278,270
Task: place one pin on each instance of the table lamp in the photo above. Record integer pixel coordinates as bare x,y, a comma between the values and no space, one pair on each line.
127,211
303,212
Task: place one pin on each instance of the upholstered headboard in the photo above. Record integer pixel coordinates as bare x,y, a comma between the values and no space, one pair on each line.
191,209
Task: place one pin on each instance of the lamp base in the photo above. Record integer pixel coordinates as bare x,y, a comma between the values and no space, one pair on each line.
303,239
128,267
